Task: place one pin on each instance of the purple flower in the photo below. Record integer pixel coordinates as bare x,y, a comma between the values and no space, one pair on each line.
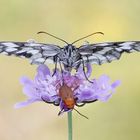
66,91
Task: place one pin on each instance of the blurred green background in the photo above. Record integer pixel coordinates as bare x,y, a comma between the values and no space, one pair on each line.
119,118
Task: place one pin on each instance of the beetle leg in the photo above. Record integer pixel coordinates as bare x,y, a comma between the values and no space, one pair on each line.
80,105
90,101
61,111
54,103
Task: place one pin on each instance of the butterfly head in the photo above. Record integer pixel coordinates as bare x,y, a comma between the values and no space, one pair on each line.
69,56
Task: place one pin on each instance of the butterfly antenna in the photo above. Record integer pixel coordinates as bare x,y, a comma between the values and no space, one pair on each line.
81,114
87,36
42,32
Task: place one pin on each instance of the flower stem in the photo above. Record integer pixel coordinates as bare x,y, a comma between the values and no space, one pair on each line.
70,125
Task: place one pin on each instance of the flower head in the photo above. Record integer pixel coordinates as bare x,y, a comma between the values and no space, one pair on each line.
68,90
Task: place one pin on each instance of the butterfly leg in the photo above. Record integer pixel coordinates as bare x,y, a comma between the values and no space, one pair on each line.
62,72
85,71
56,61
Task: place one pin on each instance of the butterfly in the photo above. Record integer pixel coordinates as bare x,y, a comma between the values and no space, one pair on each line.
70,56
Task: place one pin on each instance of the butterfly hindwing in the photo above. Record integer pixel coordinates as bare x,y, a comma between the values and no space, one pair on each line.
106,52
38,53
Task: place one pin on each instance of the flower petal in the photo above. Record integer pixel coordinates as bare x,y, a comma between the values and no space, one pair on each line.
42,72
43,69
45,87
25,103
86,95
116,83
25,81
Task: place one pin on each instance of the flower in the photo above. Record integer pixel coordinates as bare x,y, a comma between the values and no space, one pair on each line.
65,89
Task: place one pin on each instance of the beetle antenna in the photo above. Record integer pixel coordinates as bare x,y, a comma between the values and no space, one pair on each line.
61,111
52,36
81,114
87,36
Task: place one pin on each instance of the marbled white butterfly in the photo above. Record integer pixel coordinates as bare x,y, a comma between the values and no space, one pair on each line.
69,55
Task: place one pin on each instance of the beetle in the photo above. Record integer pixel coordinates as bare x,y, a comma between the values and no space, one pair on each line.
67,95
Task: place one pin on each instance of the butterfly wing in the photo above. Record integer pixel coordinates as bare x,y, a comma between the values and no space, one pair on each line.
38,53
106,52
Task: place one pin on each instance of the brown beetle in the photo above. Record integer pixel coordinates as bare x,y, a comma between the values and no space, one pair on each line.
66,94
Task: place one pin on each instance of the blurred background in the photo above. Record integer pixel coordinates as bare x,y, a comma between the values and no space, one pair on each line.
117,119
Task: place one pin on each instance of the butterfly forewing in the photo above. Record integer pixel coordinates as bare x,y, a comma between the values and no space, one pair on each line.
106,52
38,53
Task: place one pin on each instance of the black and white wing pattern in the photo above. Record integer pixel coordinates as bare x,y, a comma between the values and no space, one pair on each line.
37,53
106,52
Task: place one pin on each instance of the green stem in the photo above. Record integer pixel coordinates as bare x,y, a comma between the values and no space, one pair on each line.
70,125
